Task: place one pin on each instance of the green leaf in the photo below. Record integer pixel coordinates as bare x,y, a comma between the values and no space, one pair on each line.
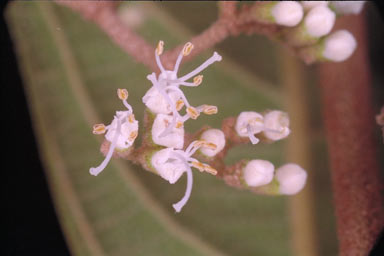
71,71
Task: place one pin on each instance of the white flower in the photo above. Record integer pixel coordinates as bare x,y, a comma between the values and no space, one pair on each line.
216,137
249,123
348,7
307,5
171,163
339,46
287,13
276,125
258,172
319,21
122,132
173,139
291,178
165,96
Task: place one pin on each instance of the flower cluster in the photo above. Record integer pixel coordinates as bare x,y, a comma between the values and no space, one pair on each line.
121,133
163,149
308,26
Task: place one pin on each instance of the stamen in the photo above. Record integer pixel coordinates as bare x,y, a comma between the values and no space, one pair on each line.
215,57
198,165
251,136
122,94
152,78
210,145
197,80
96,170
131,118
209,169
133,135
99,129
179,105
160,48
174,88
210,110
179,124
192,112
159,51
179,205
188,47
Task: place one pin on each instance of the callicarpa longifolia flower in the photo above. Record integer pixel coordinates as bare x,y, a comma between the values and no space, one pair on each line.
163,149
121,133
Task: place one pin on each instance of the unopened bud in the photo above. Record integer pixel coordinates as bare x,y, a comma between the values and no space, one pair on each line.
216,137
339,46
287,13
347,7
258,173
291,178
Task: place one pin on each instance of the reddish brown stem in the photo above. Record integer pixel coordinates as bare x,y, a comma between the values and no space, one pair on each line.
349,121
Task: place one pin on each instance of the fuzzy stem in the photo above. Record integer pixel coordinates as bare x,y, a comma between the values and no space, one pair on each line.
349,120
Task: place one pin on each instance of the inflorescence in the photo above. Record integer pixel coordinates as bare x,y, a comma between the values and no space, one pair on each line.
163,150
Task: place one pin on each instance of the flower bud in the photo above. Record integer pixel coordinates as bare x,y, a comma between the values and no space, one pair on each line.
173,139
287,13
276,125
347,7
258,173
157,103
216,137
339,46
319,21
307,5
291,178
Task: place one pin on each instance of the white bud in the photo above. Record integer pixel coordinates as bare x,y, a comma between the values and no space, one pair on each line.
168,167
287,13
128,130
258,172
173,139
347,7
216,137
157,103
307,5
339,46
276,125
291,178
319,21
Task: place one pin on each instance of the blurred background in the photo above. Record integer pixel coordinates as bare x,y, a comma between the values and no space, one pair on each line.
69,73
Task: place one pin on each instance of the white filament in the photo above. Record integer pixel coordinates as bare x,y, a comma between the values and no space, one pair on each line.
215,57
96,170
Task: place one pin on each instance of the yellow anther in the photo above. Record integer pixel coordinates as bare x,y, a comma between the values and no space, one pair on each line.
187,48
198,79
131,118
209,169
255,121
192,112
122,93
179,124
199,143
133,135
99,129
166,122
198,166
210,145
179,105
209,110
160,48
